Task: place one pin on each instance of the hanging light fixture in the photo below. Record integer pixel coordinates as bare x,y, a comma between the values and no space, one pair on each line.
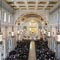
44,31
18,32
58,33
0,26
49,33
0,32
12,33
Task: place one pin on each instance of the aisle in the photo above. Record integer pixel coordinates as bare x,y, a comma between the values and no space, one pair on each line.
32,53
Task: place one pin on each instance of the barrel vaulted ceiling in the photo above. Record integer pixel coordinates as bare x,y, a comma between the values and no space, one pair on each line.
32,4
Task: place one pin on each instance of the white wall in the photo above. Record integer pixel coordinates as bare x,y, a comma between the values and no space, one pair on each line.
54,18
4,24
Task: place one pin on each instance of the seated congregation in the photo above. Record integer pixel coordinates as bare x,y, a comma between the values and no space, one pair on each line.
21,51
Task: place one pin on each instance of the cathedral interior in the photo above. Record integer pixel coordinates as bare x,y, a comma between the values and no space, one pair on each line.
29,29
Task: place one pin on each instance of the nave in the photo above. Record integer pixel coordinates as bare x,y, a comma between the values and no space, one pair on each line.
29,29
42,51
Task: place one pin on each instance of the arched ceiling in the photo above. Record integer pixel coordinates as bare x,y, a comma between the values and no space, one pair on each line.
30,15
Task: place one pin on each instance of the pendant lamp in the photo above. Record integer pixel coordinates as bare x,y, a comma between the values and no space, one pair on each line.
0,28
12,33
0,36
44,31
58,33
18,32
49,32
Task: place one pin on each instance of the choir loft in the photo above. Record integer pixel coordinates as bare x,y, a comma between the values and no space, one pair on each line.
29,29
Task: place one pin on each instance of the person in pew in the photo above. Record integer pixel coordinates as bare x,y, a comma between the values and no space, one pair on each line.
21,51
43,52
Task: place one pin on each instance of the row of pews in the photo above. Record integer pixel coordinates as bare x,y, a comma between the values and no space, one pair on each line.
43,52
21,52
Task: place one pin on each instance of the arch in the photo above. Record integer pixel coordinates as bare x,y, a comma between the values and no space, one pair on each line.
29,15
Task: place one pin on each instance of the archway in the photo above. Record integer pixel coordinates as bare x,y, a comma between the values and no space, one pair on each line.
29,15
31,25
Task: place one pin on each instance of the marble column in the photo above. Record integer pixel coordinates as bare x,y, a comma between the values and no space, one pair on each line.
32,52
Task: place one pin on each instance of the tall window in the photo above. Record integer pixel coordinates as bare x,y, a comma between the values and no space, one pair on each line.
8,18
4,16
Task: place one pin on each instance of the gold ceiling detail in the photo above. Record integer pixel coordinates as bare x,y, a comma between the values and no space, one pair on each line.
31,5
53,2
20,2
42,2
25,17
31,2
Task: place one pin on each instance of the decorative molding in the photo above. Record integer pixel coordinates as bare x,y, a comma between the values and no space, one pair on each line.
6,6
55,7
